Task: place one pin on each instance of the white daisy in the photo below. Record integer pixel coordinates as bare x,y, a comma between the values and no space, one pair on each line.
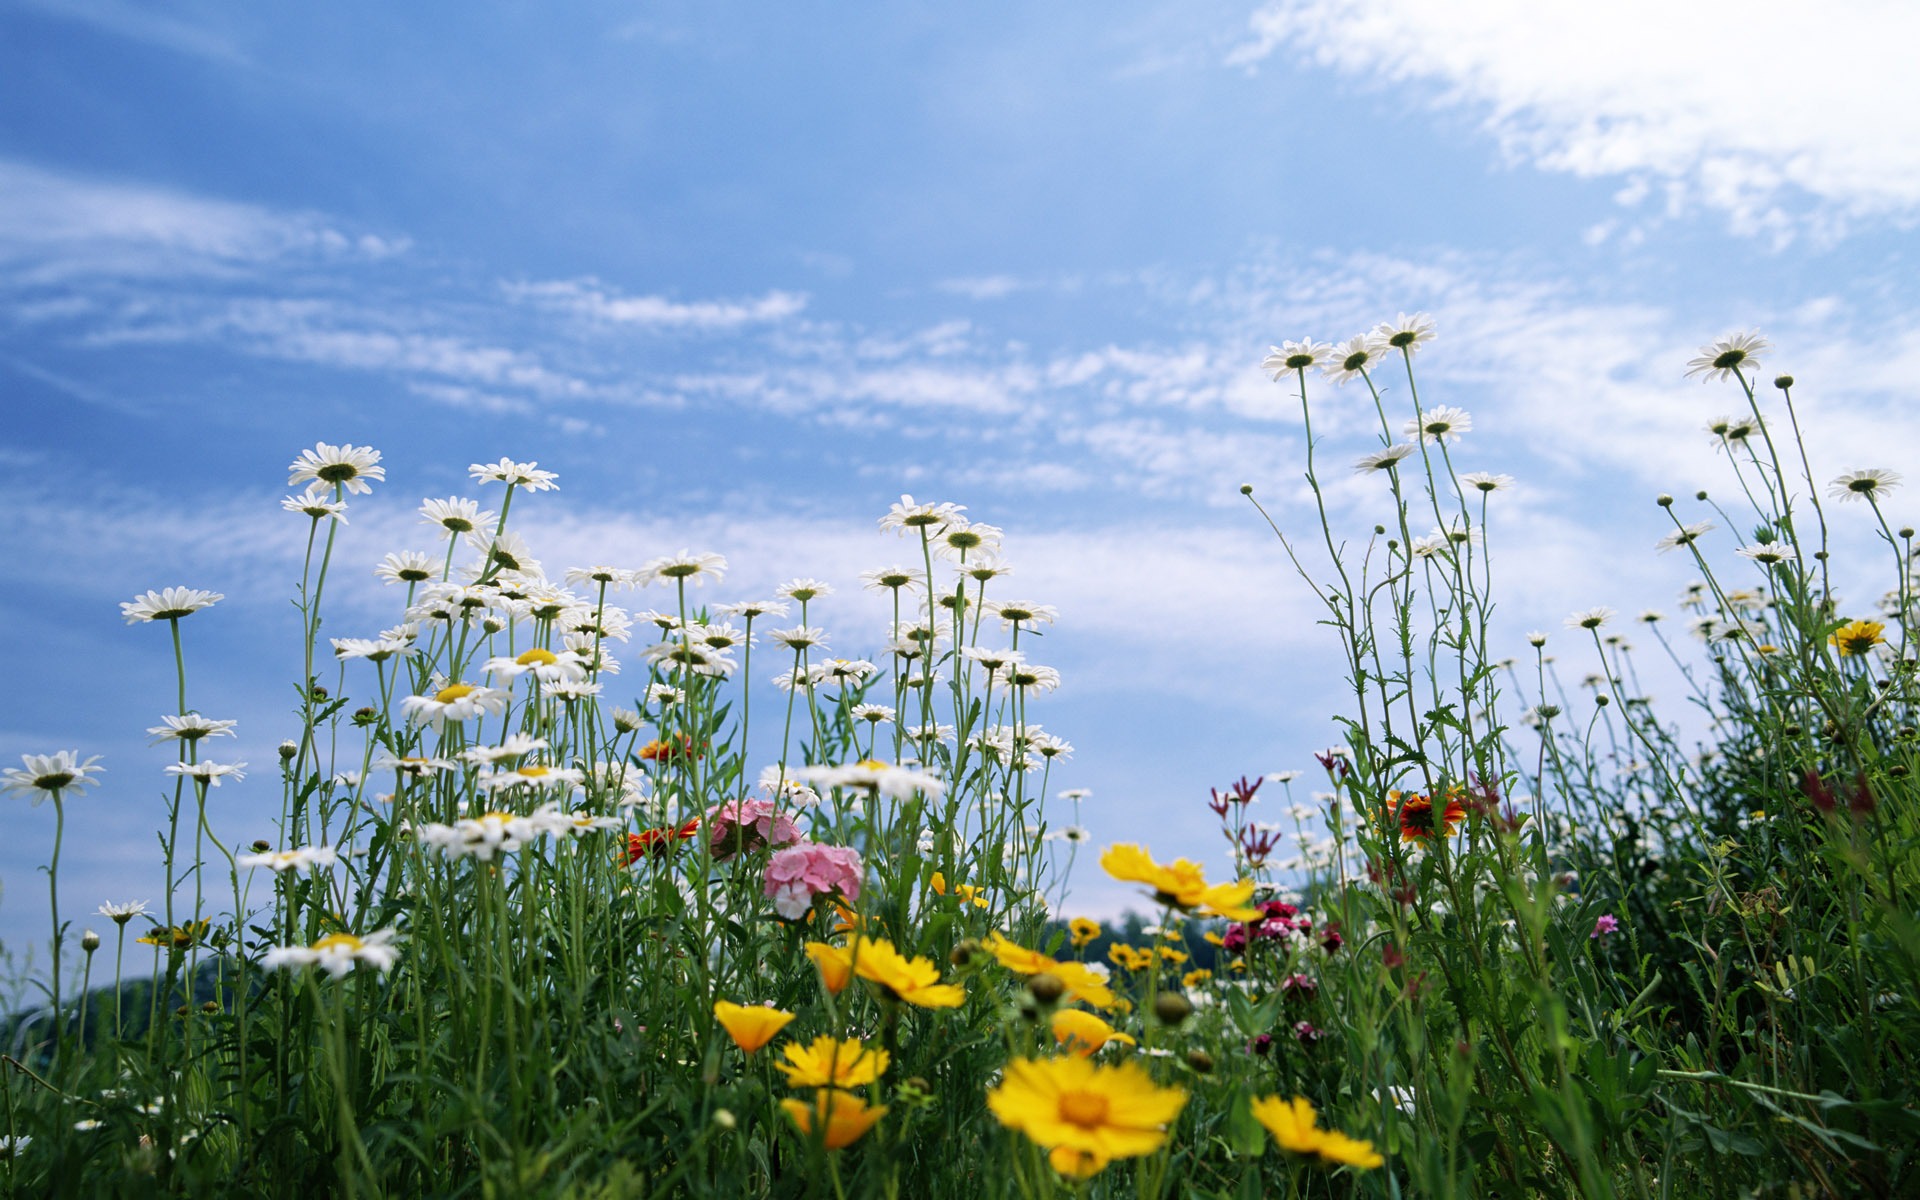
190,728
454,702
890,579
1022,612
456,516
800,637
873,714
514,745
1870,484
317,503
1350,359
209,773
1380,460
513,474
910,514
1404,333
1686,535
1592,618
1289,357
408,566
507,551
306,858
168,605
747,610
348,467
1726,356
1032,677
535,776
685,565
1441,423
41,775
1651,616
1769,553
961,538
1485,482
984,567
596,577
804,590
120,914
338,953
544,665
898,783
371,649
414,765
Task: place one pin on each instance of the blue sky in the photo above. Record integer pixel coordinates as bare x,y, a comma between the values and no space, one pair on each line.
742,274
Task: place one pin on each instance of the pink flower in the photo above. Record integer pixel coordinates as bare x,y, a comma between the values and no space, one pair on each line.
742,825
804,870
1605,925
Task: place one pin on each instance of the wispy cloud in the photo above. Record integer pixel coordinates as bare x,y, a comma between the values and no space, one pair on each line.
595,301
1783,124
144,23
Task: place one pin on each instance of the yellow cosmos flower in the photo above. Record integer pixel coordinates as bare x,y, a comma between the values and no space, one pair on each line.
1295,1127
844,1116
750,1026
836,965
832,1063
1082,1033
1127,958
914,980
1196,977
1858,637
180,937
1094,1113
1182,885
1076,1164
1081,981
1083,931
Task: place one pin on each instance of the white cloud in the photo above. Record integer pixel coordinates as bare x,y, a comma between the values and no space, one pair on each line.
594,301
1777,118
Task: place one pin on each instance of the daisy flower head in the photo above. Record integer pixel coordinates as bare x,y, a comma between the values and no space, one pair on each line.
1484,481
800,637
515,745
43,775
168,605
414,766
371,649
1868,485
1295,1128
911,514
873,714
1727,356
960,538
601,576
1731,430
1349,359
208,773
1290,357
747,610
1442,423
337,954
513,474
459,702
503,551
1380,460
803,590
120,914
304,859
1084,1115
841,1118
456,516
408,566
318,503
890,579
1858,637
544,665
1404,333
189,728
349,467
686,565
1033,677
1591,618
1022,612
1769,553
1686,535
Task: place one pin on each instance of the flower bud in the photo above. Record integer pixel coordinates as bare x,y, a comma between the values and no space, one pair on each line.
1172,1008
1700,495
261,845
1783,382
89,941
964,951
287,751
365,715
1663,500
724,1118
1246,489
210,1007
1200,1061
1047,988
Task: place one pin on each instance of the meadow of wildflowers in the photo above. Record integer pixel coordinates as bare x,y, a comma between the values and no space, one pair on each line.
539,920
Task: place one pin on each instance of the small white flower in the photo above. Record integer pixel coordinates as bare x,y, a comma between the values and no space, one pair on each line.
317,503
209,773
454,702
515,745
1022,612
1769,553
120,914
337,954
546,666
457,516
1349,359
190,728
305,858
371,649
408,566
1870,484
909,514
1592,618
348,467
686,565
596,577
1404,333
1486,482
804,590
1685,535
747,610
168,605
519,475
1727,356
890,579
1289,357
873,714
1380,460
1441,423
41,775
960,538
800,637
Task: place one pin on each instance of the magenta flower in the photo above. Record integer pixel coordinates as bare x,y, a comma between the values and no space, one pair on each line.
742,825
1605,925
804,870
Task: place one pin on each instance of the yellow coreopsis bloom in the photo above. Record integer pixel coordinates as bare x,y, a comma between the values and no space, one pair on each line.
1083,930
836,965
1858,637
1081,981
1182,884
832,1063
845,1116
1295,1127
1085,1115
750,1026
914,980
1082,1033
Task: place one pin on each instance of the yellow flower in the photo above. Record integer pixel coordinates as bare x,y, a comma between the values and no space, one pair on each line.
1081,981
846,1116
836,965
1076,1164
969,894
831,1063
938,883
1094,1113
1194,978
1083,1033
1858,637
914,980
180,937
1182,885
1127,958
1083,930
1295,1126
1172,955
750,1026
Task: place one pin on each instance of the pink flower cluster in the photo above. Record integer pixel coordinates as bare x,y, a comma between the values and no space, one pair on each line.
742,825
804,870
1281,921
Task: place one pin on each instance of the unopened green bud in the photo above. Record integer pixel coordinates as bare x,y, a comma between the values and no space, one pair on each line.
1172,1008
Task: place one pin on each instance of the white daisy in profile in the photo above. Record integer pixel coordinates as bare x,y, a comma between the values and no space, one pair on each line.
458,702
747,610
961,538
1049,746
911,514
872,714
1431,546
41,775
306,859
414,766
318,503
189,728
890,579
803,590
1441,423
1486,482
371,649
985,567
699,659
168,605
1282,776
456,516
1349,359
1033,677
800,637
536,776
845,670
514,745
349,467
208,773
1404,333
1380,460
1651,616
120,914
337,954
1686,535
1770,553
1022,612
408,566
686,565
1726,356
513,474
1870,484
505,551
1591,618
600,576
547,666
1290,357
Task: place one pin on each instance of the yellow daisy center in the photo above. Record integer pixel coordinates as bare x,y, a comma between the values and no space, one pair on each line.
534,772
538,658
1088,1110
338,941
452,692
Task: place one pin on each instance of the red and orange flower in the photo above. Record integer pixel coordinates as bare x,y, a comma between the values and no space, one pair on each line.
1418,821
